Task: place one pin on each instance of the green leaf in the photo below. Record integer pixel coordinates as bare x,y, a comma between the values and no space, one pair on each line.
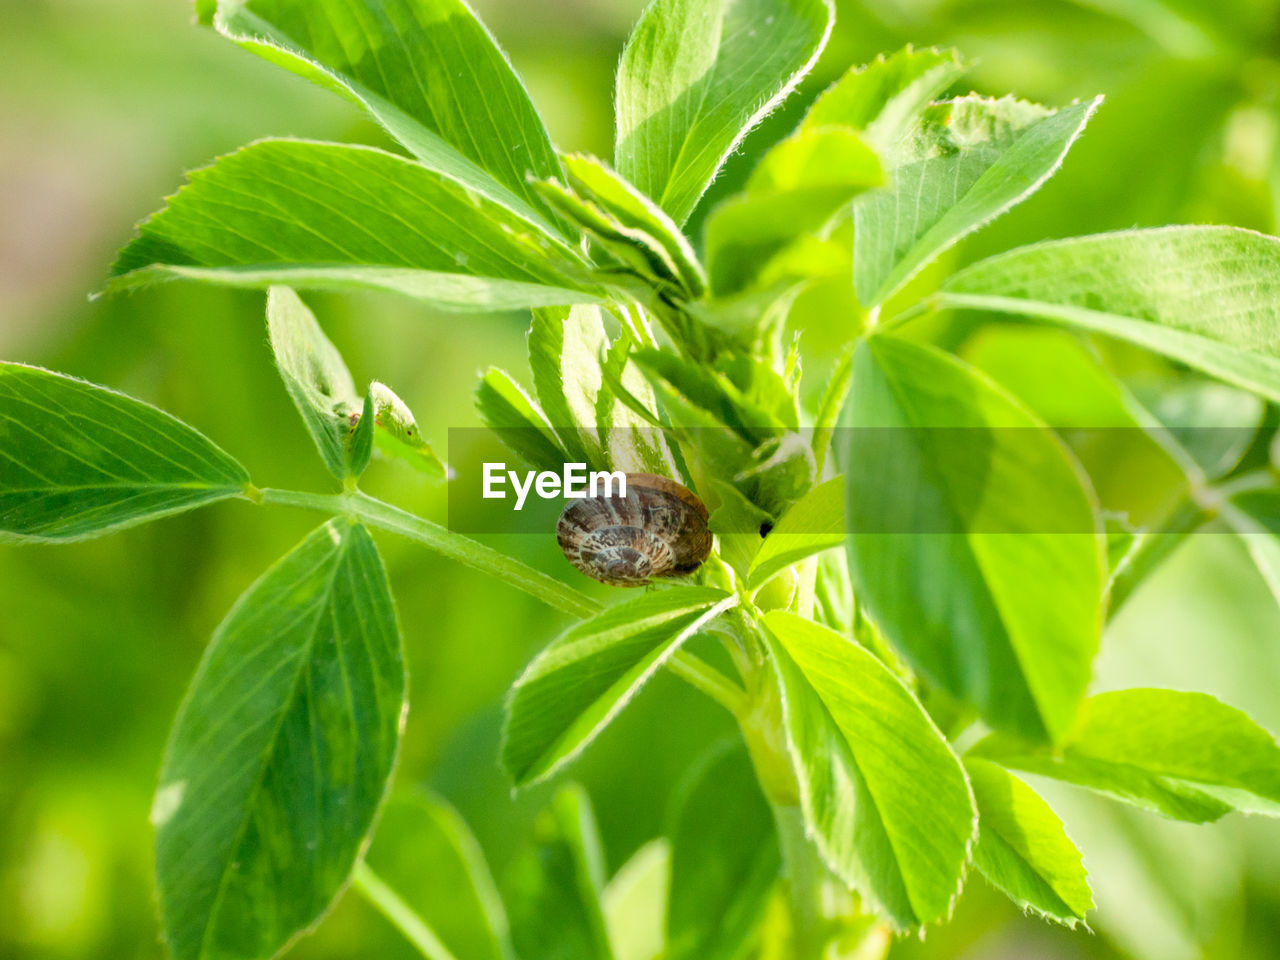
1208,297
426,853
316,378
281,752
970,160
336,217
80,460
554,890
360,440
629,435
713,392
796,189
398,434
1186,755
725,860
566,348
1254,514
883,796
578,684
813,524
426,70
635,903
1214,424
828,416
737,523
974,546
1023,848
885,98
1061,379
507,410
695,77
635,211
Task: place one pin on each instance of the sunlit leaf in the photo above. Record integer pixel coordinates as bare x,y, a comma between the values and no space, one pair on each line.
695,77
883,796
1186,755
281,752
578,684
885,98
633,438
974,543
1208,297
813,524
566,349
635,211
507,410
1023,848
427,70
315,376
398,434
78,460
336,217
970,160
635,903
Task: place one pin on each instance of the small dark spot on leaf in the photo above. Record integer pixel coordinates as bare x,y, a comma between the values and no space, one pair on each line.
766,528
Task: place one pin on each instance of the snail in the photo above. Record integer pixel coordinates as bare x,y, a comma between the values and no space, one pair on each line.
659,529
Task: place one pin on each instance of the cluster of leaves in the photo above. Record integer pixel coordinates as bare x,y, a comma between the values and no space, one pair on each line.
852,673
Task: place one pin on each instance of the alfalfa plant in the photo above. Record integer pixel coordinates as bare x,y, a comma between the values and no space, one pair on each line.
900,631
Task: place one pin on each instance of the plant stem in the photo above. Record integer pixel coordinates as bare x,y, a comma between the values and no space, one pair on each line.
700,674
804,881
374,889
492,562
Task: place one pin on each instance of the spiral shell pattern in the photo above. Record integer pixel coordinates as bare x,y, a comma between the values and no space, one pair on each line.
659,529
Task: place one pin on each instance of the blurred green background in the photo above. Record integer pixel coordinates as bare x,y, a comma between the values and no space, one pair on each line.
103,103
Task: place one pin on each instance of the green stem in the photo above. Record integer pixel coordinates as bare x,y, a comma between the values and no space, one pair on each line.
492,562
804,874
706,678
374,889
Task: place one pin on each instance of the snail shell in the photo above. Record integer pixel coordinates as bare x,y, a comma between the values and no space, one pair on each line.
659,529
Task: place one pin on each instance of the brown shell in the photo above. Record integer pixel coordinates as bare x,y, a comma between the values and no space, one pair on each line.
659,529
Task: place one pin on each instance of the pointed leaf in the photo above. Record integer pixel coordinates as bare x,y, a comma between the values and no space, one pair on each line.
1186,755
330,216
695,77
398,434
974,543
630,436
885,98
427,70
79,460
969,161
813,524
1208,297
634,210
507,410
578,684
1023,848
426,852
281,752
883,796
566,347
315,376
